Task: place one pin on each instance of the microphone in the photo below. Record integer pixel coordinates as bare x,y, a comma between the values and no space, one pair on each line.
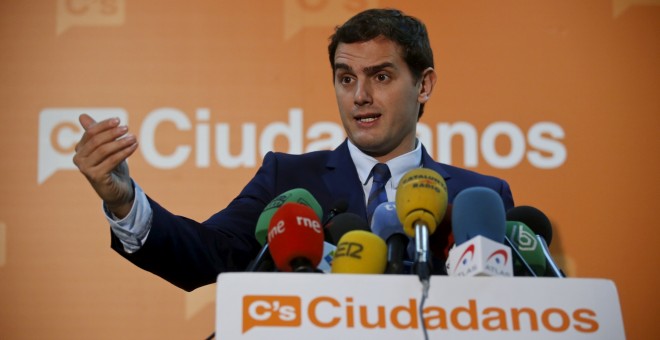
295,238
264,262
534,218
524,240
339,207
360,252
440,242
336,227
343,223
479,226
538,222
478,211
298,195
421,202
385,223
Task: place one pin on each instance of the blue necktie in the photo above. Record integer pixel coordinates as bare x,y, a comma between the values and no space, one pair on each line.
381,174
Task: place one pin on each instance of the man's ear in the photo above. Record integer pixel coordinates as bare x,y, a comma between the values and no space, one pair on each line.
427,82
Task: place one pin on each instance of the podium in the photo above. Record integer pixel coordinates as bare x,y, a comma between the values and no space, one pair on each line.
344,306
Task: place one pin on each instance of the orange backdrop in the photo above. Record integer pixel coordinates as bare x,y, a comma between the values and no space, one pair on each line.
558,97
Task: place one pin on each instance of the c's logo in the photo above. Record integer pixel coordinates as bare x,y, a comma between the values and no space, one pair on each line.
299,14
59,131
72,13
270,310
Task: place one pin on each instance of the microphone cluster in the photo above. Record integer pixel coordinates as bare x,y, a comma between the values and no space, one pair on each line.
488,241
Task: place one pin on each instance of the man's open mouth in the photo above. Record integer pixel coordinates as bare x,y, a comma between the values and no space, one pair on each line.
368,118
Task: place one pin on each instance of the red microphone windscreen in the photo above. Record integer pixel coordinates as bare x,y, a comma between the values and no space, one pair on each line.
295,233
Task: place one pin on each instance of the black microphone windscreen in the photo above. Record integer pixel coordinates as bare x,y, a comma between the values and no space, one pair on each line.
534,218
340,206
343,223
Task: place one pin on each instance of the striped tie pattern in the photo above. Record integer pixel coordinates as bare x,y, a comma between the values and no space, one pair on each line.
381,174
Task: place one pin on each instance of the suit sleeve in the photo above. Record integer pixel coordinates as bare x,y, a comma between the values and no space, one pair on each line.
190,254
507,196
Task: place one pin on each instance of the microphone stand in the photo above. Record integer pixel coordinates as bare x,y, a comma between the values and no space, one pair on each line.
546,252
422,266
518,256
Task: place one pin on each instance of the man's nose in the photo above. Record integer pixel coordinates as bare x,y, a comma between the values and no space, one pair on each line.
362,94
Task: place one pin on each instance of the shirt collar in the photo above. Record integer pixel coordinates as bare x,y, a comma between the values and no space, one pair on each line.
398,165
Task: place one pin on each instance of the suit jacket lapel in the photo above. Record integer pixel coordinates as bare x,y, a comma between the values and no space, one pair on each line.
342,181
428,162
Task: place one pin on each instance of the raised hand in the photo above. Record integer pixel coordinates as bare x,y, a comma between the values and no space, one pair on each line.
101,156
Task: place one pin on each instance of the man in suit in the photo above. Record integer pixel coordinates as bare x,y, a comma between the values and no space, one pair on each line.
383,75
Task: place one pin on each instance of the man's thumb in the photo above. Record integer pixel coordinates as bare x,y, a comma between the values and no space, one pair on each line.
86,121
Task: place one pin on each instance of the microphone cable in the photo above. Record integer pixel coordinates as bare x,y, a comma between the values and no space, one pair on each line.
425,293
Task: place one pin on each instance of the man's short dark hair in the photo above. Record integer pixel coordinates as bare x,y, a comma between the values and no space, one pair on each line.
406,31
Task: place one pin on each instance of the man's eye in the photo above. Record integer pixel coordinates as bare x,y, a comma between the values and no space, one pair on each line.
345,80
382,77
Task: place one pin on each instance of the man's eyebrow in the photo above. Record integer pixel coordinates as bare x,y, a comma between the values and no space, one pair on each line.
369,70
342,66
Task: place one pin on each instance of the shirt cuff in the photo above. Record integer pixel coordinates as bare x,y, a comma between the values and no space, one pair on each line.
133,229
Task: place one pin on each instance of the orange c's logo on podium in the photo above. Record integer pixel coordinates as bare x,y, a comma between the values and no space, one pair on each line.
269,310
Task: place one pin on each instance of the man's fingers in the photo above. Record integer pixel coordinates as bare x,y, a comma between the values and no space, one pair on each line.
97,169
93,127
86,121
97,134
109,163
105,150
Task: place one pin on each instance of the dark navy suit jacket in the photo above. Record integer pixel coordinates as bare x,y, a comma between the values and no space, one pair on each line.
190,254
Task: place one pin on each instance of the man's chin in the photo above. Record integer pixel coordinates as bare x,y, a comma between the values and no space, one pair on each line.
373,149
